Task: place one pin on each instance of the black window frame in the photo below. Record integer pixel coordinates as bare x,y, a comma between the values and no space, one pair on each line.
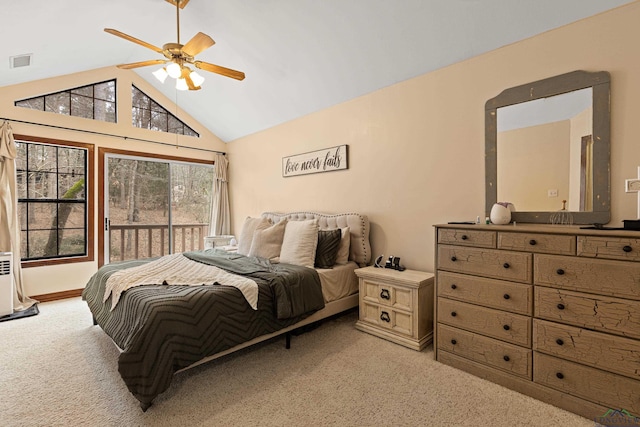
24,203
153,110
75,92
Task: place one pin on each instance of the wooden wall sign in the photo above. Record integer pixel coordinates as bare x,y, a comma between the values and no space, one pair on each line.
325,160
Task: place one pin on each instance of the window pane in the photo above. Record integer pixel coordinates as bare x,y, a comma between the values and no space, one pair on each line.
141,118
57,103
21,178
157,107
42,243
175,125
71,215
159,121
106,91
81,106
105,111
71,160
41,216
190,132
33,103
139,99
41,158
84,91
72,242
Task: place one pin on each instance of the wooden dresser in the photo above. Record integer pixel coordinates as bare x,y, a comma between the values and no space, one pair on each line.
550,311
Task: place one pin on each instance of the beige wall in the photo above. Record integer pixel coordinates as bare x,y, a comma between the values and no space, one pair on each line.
44,280
416,149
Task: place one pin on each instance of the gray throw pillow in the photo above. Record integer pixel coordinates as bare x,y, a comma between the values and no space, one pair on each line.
327,250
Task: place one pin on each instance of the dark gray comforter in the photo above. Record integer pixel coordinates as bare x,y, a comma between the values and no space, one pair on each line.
162,329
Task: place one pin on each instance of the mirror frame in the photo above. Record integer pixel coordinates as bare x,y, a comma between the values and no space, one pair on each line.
600,83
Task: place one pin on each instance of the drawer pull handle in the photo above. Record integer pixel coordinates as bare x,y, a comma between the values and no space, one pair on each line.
454,342
506,296
384,294
464,237
506,327
559,341
560,306
454,314
506,265
560,272
454,259
532,242
454,286
506,358
559,375
384,316
627,248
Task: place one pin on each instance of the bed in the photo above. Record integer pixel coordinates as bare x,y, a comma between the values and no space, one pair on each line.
169,324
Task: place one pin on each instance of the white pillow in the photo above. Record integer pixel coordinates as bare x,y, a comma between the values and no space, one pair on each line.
267,242
300,242
246,235
345,246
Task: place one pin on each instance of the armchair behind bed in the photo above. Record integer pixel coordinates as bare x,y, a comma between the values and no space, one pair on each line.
360,247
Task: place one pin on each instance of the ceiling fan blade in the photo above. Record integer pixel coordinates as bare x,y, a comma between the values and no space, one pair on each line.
197,44
227,72
142,64
133,39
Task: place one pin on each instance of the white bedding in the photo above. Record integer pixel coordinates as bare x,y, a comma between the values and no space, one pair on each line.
338,282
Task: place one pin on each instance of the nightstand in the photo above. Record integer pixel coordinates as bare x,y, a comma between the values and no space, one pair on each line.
396,305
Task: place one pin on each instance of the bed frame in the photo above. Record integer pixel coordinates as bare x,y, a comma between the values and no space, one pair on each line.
359,252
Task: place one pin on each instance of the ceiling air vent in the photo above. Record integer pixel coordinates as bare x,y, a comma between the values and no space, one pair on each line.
20,61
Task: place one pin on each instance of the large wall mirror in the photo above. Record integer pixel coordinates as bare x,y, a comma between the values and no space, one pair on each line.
547,142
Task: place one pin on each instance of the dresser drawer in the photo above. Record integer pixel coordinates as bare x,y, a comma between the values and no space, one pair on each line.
539,243
605,314
387,294
509,296
495,353
515,266
482,239
623,248
599,276
387,318
610,353
604,388
498,324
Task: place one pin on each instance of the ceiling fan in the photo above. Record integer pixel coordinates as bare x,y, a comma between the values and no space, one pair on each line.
178,55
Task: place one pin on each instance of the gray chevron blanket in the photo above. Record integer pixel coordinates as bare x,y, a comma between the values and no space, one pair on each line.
164,328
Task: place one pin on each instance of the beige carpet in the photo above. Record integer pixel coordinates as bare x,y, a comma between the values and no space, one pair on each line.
59,370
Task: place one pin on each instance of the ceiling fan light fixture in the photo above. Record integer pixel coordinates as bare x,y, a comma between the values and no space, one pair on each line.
174,70
161,74
196,78
181,84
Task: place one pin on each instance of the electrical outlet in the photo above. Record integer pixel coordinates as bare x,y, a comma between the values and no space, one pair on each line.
552,193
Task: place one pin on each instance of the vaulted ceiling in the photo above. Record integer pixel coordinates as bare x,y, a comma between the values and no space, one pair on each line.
299,56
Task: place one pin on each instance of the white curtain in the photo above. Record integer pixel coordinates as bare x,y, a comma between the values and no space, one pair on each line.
9,225
220,216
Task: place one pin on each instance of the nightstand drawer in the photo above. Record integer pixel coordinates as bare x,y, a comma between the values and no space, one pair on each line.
397,321
603,351
483,239
509,296
489,351
605,277
498,324
604,314
515,266
604,388
623,248
387,294
538,243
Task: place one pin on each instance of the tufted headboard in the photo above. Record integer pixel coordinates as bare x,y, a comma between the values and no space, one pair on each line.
360,248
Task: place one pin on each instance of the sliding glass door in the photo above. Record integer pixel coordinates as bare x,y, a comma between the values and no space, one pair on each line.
154,207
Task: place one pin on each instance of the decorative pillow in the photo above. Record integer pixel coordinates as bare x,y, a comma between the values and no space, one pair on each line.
300,242
267,242
345,245
246,235
327,250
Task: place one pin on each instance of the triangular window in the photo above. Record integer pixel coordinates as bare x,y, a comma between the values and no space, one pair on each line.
96,101
148,114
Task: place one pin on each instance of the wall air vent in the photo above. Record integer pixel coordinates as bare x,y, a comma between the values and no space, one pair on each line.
20,61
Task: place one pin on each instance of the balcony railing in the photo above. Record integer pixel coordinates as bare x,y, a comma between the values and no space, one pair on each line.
133,241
